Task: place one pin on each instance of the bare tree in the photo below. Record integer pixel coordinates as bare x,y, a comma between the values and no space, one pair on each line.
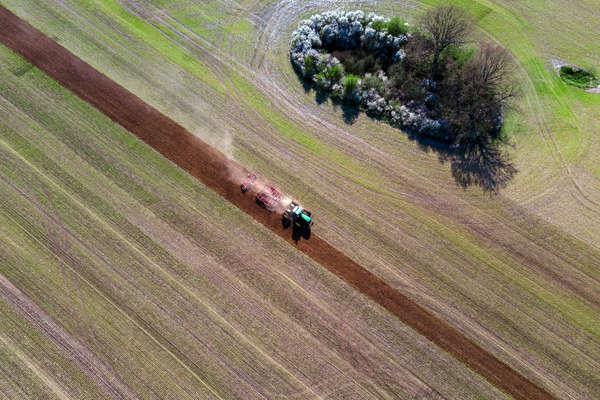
476,96
491,69
446,26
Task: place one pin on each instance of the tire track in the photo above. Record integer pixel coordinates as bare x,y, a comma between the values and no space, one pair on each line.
55,387
121,309
75,351
132,314
214,170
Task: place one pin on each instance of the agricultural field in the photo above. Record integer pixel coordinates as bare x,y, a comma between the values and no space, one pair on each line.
122,276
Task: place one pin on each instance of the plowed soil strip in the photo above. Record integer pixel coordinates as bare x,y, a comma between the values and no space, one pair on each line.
214,170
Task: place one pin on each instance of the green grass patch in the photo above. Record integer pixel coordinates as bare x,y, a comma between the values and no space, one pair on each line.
157,40
205,20
475,8
578,77
460,54
240,27
397,26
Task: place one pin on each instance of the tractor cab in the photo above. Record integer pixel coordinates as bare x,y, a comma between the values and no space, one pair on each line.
298,216
301,217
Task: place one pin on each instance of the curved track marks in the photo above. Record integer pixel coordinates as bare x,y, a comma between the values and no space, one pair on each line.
214,170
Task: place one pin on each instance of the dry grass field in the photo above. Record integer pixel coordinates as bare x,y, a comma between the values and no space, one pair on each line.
122,277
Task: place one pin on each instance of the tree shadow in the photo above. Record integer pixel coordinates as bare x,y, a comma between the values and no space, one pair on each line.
321,96
482,164
306,84
350,112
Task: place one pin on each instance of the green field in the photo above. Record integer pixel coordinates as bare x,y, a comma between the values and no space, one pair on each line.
176,294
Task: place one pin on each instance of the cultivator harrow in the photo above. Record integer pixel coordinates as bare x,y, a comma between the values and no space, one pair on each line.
269,198
272,199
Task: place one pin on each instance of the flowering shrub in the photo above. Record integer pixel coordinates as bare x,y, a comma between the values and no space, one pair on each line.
340,31
311,50
373,103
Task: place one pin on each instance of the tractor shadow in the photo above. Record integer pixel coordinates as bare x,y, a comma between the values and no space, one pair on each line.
298,233
481,165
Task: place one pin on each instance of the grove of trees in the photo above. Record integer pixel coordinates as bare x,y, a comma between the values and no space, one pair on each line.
429,80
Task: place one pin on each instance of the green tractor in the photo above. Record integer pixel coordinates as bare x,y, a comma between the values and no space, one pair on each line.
299,218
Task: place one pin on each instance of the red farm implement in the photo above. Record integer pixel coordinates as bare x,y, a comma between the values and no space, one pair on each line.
248,182
269,198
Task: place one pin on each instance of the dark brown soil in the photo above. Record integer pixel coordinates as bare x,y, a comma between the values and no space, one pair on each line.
215,171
